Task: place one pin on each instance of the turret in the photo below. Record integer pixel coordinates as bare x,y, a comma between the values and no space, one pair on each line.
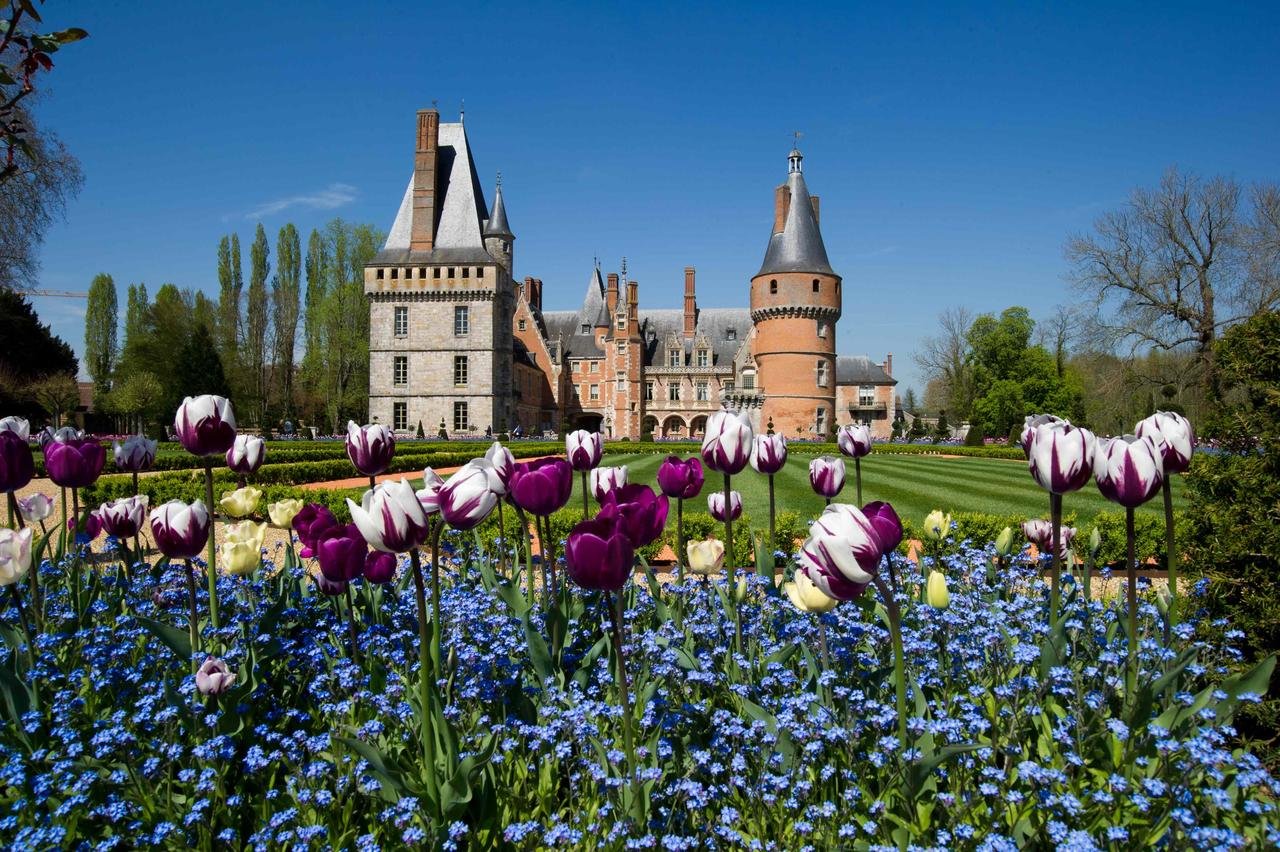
498,239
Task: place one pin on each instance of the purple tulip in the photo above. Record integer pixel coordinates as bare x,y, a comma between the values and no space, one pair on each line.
341,550
17,466
504,464
1128,470
66,433
842,552
680,479
123,518
429,493
390,517
715,505
246,454
470,494
1060,456
213,677
180,531
886,523
1040,533
599,555
136,454
768,453
370,448
75,463
205,425
854,440
312,520
605,479
826,475
1029,425
541,487
584,449
92,528
641,514
726,444
332,588
380,567
1173,435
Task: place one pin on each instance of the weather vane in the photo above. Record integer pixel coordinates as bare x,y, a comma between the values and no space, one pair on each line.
499,177
796,134
462,110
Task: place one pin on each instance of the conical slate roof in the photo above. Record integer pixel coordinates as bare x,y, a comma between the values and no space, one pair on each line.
799,247
497,225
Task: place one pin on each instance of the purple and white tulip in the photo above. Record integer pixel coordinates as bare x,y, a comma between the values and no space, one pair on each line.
768,453
390,517
1060,456
715,505
605,479
246,454
726,444
136,453
370,448
842,552
680,479
17,425
1128,470
15,554
826,475
583,449
213,677
205,425
123,518
74,463
1040,533
1029,424
429,493
504,464
35,507
1174,436
854,440
470,494
66,433
180,530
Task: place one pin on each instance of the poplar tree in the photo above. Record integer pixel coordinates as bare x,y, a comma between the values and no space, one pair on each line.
228,302
101,329
135,317
284,303
255,342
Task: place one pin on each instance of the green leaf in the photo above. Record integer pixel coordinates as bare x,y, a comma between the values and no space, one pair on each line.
389,779
178,640
539,653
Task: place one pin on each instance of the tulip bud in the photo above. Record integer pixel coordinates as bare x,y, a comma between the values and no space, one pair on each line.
1095,543
123,518
15,555
240,503
936,594
1040,533
283,512
854,440
17,464
205,425
35,507
715,505
390,517
429,494
826,476
680,479
471,494
380,567
370,448
1004,542
74,463
602,480
136,454
1128,470
937,526
583,449
541,487
705,557
598,554
246,454
180,530
726,443
740,590
806,596
213,677
1162,601
504,464
332,588
1174,436
768,453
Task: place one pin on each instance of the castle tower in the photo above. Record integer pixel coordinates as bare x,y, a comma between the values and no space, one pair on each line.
498,239
795,303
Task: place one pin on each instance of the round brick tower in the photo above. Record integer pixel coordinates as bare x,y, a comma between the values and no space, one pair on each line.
795,303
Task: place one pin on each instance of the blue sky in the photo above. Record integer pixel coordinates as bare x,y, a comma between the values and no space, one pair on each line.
954,149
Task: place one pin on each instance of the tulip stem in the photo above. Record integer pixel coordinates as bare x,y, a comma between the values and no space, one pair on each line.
31,642
585,510
773,544
9,502
628,738
857,477
75,561
193,624
502,541
893,572
373,483
435,595
135,483
1171,559
899,657
681,553
34,570
728,530
1055,566
65,517
351,625
528,553
1132,570
425,673
212,567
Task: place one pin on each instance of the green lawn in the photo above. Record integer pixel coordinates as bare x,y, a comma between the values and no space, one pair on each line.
915,485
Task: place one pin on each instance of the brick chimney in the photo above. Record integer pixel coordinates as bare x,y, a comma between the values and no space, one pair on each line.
781,203
611,295
690,305
422,234
633,308
536,304
888,364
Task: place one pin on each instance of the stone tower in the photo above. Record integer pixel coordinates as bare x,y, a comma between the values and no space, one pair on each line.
498,239
795,303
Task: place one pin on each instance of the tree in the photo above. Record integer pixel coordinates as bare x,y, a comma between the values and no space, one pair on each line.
198,368
256,318
1180,263
944,360
137,397
135,318
101,329
29,350
229,282
317,268
37,174
284,303
57,395
909,403
941,430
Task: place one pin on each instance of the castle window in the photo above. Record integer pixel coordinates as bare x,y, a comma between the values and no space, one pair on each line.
702,392
817,286
461,418
480,272
773,287
451,271
822,374
648,391
622,324
466,272
399,416
422,272
702,358
586,328
748,380
595,392
506,247
728,387
461,320
460,369
822,329
401,325
522,325
820,421
380,271
622,347
867,396
395,273
673,392
400,371
435,272
674,357
595,366
730,334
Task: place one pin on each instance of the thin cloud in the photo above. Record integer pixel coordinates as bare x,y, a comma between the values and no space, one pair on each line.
331,197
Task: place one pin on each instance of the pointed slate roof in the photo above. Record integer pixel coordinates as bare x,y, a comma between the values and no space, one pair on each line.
594,311
799,247
497,225
861,370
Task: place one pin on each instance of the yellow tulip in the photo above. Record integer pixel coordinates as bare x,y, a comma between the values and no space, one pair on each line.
740,590
705,557
246,532
282,513
241,502
936,525
807,597
936,594
239,558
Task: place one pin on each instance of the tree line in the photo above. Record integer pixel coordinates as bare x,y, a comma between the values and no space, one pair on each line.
291,346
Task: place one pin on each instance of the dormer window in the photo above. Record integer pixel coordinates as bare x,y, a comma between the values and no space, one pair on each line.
703,358
466,272
674,357
380,271
586,328
731,334
395,273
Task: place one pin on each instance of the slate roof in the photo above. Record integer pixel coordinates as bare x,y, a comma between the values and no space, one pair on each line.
713,323
861,370
460,205
799,247
496,225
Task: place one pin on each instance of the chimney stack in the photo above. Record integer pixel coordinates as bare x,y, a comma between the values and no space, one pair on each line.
781,203
422,234
611,295
633,307
888,363
536,304
690,304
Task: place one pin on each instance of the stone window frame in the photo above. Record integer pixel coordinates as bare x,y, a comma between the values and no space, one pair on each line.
704,357
461,320
702,392
821,372
523,324
399,416
400,371
461,416
675,357
648,390
399,329
820,420
461,370
593,392
673,392
866,395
